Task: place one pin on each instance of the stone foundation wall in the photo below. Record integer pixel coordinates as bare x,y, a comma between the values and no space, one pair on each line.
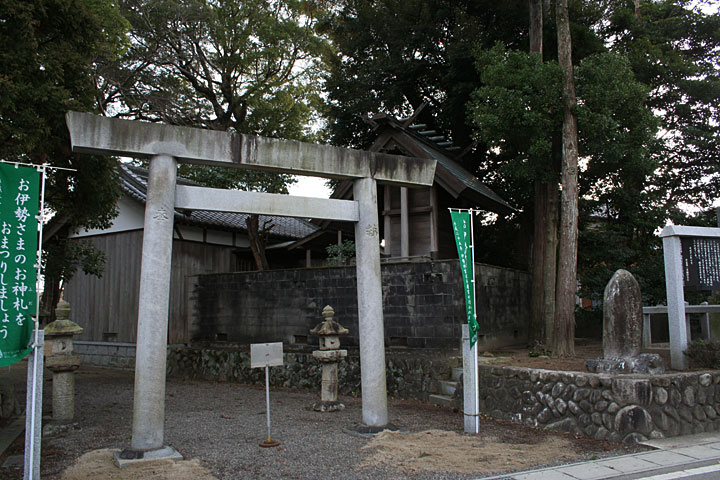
105,354
626,408
408,375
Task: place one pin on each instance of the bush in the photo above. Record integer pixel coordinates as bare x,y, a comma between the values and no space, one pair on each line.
342,254
704,353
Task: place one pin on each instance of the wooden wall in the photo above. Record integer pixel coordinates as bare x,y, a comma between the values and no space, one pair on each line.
420,222
107,307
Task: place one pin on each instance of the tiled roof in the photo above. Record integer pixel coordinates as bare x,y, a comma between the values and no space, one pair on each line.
435,145
134,184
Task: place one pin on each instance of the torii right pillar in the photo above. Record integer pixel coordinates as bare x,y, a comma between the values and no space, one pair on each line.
370,307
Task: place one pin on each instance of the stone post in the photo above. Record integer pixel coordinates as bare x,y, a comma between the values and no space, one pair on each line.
149,404
677,323
370,308
62,362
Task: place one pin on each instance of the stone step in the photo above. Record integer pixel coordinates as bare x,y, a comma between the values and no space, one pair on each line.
447,387
456,374
443,400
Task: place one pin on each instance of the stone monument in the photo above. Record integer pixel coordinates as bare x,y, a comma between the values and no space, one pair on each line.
59,359
622,330
329,354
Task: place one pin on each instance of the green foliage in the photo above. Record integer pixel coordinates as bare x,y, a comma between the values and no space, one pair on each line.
518,111
341,254
245,66
674,48
648,88
393,55
48,49
704,353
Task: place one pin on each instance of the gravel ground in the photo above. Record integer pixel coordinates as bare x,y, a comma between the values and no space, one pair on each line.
221,424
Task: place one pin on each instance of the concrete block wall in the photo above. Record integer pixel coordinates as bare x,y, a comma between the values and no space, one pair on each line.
627,408
423,305
106,354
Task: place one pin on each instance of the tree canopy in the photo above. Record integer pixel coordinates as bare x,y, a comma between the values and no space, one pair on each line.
248,66
47,51
647,78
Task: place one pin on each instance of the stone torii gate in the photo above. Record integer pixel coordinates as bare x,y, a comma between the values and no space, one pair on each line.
165,146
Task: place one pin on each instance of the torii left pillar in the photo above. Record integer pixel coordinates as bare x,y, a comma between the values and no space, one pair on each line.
151,355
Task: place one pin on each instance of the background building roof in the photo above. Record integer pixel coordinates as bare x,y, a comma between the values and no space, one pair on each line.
134,184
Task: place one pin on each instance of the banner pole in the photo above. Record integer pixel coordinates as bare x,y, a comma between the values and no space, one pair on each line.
33,409
474,350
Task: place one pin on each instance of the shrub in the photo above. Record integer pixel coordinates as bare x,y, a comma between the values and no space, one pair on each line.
704,353
339,255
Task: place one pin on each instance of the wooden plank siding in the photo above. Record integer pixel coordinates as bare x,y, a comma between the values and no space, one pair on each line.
107,307
420,211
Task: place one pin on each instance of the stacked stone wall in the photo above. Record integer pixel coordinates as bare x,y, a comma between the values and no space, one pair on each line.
626,408
408,376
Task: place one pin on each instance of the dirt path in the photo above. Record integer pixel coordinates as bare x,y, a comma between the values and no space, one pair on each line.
217,427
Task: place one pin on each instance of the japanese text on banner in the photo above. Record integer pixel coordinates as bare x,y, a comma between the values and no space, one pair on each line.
19,200
463,239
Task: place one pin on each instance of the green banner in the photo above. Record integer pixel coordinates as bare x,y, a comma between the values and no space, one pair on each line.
19,206
463,239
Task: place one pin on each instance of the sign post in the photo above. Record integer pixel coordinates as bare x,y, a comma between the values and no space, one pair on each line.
464,239
692,260
267,355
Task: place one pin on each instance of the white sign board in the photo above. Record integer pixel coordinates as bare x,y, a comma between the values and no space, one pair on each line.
266,355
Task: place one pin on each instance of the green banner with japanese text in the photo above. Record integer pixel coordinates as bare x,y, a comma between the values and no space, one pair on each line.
463,239
19,206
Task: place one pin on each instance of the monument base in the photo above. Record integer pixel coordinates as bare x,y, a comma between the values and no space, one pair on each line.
648,363
126,457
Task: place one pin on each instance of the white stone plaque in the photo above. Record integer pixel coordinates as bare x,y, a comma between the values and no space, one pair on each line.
266,355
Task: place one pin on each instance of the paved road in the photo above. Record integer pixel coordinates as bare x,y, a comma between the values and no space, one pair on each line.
695,457
711,472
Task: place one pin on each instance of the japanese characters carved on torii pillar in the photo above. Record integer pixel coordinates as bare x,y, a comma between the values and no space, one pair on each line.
165,146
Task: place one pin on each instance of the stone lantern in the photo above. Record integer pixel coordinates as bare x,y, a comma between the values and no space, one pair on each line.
59,359
329,354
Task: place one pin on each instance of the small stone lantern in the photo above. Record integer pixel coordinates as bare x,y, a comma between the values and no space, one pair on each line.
329,354
60,360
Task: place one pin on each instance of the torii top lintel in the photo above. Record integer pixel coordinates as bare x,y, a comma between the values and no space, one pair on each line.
96,134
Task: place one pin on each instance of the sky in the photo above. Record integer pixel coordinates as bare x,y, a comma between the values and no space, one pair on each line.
310,187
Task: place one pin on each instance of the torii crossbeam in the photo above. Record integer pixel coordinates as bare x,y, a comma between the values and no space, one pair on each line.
165,146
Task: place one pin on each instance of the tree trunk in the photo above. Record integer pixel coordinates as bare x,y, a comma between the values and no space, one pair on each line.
537,332
564,331
536,26
257,242
550,260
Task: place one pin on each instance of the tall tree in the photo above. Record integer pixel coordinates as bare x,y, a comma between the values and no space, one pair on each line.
519,113
391,52
674,47
544,254
246,66
48,49
563,337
